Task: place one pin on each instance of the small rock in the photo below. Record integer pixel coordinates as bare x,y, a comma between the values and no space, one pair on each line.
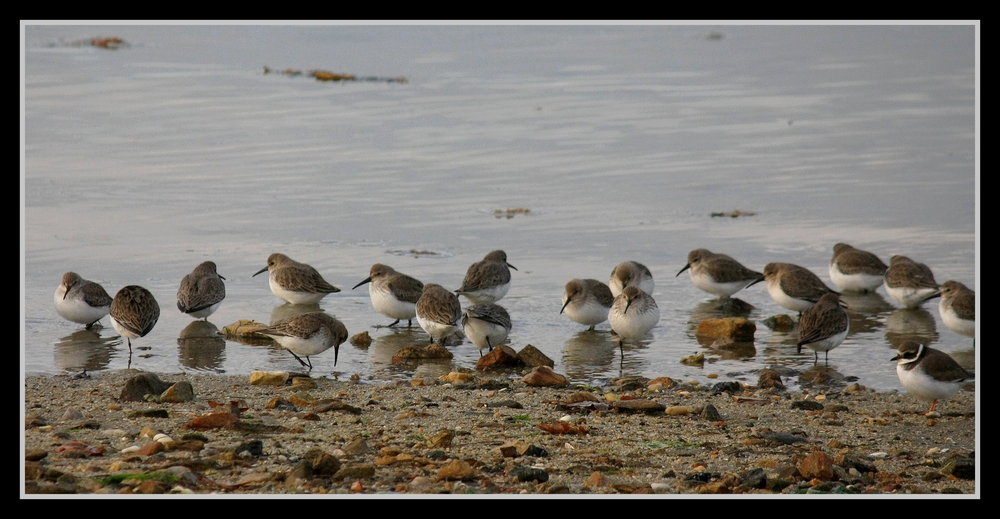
268,378
322,463
960,467
457,378
501,356
441,440
417,351
680,410
357,447
727,387
179,392
532,357
456,470
817,465
641,405
779,323
597,479
694,360
137,387
71,414
710,413
770,378
807,405
543,376
665,382
523,474
736,328
150,448
303,383
361,340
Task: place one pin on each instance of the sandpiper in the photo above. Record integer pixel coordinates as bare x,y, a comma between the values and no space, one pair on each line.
438,312
308,334
633,314
793,287
201,292
958,308
929,374
630,274
587,301
823,326
855,270
910,283
488,280
718,274
486,325
134,312
295,282
81,301
393,294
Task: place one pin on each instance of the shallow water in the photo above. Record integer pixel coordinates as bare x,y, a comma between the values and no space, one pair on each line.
144,161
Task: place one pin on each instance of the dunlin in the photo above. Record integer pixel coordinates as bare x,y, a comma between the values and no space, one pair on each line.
910,283
587,301
486,325
633,314
295,282
438,312
958,308
201,292
929,374
487,281
308,334
134,312
81,301
630,274
718,274
855,270
393,294
823,326
793,287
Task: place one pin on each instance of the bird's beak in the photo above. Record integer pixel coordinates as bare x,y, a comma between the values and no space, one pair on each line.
259,271
628,304
222,278
754,283
564,305
683,269
367,280
511,266
895,358
336,352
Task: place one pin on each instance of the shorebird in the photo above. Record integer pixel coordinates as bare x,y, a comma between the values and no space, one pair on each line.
718,274
295,282
201,292
633,314
910,283
929,374
486,325
793,287
487,281
134,312
587,301
308,334
630,274
856,270
438,312
393,294
823,326
958,308
81,301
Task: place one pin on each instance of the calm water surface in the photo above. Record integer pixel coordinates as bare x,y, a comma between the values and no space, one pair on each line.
144,161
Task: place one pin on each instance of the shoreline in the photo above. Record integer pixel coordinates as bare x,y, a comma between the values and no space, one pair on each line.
483,435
